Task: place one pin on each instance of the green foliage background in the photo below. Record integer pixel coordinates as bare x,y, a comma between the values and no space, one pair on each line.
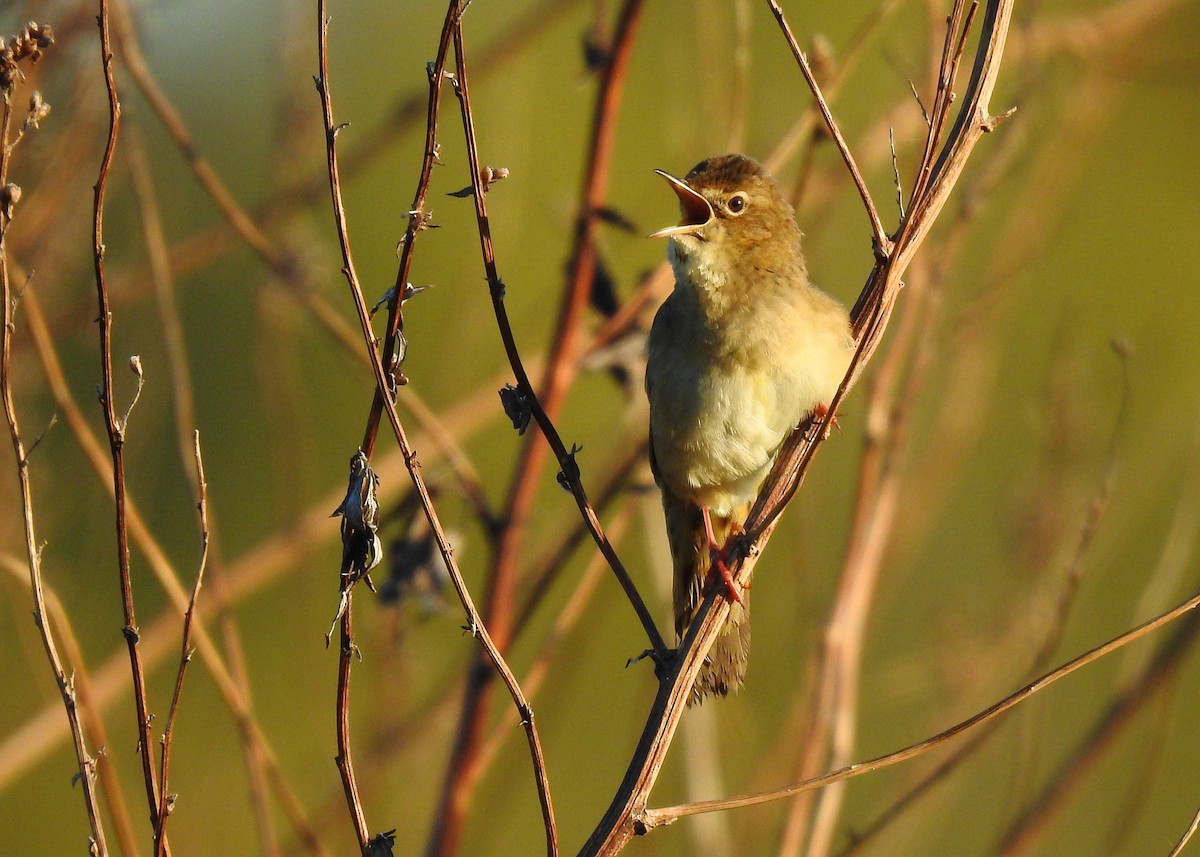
1087,236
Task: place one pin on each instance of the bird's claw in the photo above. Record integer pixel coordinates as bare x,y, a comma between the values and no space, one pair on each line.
731,588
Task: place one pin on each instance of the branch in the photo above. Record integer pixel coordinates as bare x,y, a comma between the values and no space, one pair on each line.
116,427
384,393
882,242
658,817
66,685
544,408
167,800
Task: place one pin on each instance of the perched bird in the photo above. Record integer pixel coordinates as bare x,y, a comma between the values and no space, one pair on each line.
742,351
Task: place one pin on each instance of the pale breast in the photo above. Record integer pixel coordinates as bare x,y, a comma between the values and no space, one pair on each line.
720,405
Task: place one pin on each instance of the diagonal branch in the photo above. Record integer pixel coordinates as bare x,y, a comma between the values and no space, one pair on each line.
882,242
658,817
167,800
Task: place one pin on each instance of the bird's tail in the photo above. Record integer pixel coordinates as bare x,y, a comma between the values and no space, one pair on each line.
725,667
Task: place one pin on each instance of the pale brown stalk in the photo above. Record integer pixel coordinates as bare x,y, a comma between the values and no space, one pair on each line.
658,817
33,551
167,801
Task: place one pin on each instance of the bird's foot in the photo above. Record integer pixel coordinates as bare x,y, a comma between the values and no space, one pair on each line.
819,413
731,588
718,554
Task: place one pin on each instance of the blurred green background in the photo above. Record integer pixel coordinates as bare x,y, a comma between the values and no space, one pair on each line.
1084,211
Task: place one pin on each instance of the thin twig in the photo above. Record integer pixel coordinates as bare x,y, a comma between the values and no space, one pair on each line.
1121,712
475,624
116,429
882,242
1187,835
344,760
33,553
876,504
167,801
183,399
259,566
544,406
658,817
163,627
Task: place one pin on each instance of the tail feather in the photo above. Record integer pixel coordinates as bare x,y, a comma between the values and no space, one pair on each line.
725,667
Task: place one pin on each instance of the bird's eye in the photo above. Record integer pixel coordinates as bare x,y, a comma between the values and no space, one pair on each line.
736,204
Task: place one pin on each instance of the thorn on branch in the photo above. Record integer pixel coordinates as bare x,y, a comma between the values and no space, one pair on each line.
518,406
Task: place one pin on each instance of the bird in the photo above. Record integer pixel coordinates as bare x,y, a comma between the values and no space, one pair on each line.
743,350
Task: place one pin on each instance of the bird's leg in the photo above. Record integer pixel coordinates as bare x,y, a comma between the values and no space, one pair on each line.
718,554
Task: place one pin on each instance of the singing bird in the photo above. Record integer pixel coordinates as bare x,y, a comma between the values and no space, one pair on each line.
743,350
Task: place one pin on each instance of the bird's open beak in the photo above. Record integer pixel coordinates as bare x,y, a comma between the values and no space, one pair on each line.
696,209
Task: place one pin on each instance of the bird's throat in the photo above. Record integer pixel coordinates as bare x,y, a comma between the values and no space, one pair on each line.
708,283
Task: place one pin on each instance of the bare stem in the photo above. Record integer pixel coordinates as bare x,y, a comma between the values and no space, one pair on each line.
657,817
116,428
33,553
185,657
475,624
882,241
544,406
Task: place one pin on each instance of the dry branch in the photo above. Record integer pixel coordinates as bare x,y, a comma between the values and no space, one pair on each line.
116,426
385,391
9,195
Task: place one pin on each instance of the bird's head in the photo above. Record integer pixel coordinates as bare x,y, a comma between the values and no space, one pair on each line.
734,220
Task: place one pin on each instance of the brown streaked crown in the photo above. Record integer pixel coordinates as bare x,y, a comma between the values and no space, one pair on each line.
727,172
